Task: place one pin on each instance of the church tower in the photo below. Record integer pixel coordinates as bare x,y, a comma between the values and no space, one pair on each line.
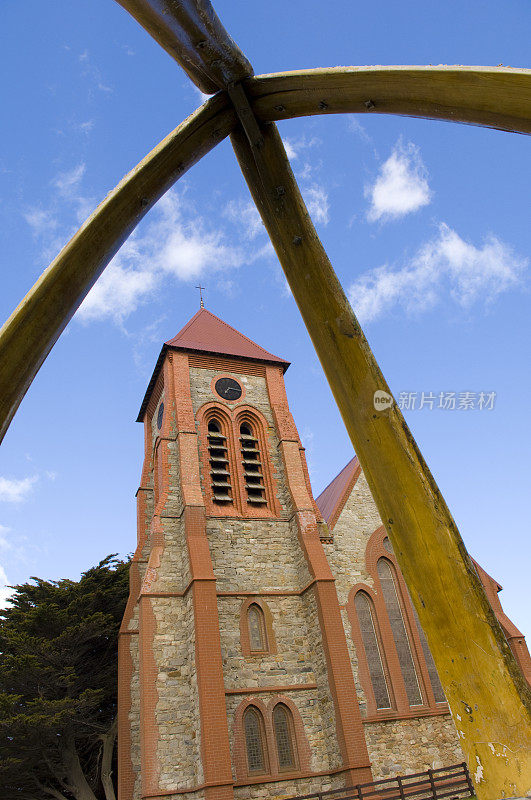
269,647
235,678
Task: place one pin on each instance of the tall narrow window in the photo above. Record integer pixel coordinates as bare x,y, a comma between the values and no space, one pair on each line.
398,628
257,629
252,466
219,464
438,691
254,740
373,653
283,727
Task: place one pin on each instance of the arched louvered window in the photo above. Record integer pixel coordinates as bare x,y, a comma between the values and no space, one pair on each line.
252,466
373,651
219,464
284,738
398,628
438,691
253,726
257,629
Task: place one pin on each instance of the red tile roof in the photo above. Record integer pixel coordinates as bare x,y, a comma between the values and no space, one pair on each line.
207,333
332,499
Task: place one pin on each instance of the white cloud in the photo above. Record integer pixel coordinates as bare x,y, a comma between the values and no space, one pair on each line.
117,293
92,73
245,214
5,591
290,149
40,221
67,183
445,266
87,126
355,126
316,199
174,243
401,186
4,541
16,491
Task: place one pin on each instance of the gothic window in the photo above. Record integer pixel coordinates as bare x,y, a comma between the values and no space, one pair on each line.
219,464
252,466
438,691
373,652
398,628
254,740
257,629
283,728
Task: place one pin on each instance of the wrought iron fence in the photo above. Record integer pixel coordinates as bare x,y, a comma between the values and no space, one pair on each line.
434,784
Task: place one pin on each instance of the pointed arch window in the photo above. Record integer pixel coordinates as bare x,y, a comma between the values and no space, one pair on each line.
252,465
436,685
400,635
220,479
438,691
253,726
284,738
257,629
370,635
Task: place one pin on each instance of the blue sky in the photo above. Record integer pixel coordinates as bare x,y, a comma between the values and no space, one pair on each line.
426,223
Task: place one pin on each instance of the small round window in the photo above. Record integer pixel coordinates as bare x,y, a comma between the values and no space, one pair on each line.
160,416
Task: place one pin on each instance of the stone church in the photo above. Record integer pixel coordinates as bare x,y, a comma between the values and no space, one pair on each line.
269,647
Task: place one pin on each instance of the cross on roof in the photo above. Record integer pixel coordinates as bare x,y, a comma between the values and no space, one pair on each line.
201,289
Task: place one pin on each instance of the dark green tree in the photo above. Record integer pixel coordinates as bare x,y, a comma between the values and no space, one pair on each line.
58,685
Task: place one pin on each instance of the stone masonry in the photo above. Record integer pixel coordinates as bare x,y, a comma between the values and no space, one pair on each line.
211,707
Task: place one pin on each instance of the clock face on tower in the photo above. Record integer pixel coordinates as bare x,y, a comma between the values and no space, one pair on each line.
228,389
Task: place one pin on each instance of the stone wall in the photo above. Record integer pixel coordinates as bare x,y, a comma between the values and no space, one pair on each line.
412,745
134,713
328,739
278,790
346,556
253,555
177,712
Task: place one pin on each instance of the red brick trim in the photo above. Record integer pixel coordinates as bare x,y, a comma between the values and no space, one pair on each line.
272,592
229,421
302,751
350,734
442,710
259,423
271,644
294,687
215,749
301,747
221,414
125,764
238,736
149,766
362,770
